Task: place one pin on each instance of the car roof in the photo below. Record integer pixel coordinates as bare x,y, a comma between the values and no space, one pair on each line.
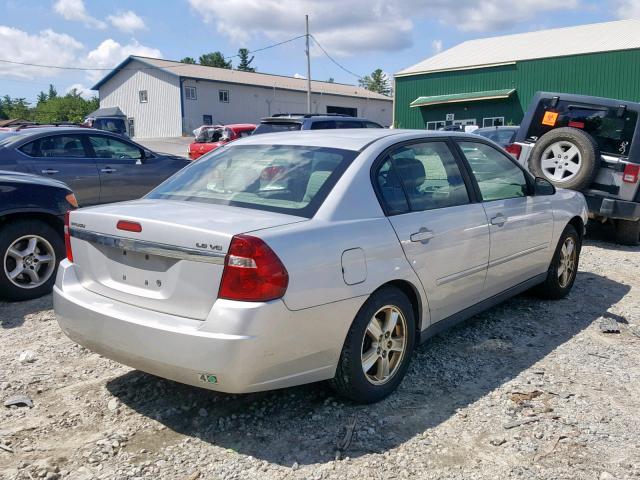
295,117
347,138
497,127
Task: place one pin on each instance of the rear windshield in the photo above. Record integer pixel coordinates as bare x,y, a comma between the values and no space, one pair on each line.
502,136
612,132
209,135
274,127
115,125
279,178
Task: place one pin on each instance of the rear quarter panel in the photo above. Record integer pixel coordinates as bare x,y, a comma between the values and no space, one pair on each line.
566,205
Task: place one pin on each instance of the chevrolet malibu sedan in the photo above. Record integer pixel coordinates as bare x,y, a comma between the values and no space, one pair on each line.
283,259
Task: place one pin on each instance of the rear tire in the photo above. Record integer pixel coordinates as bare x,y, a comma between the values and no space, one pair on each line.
628,232
564,266
373,342
548,161
30,251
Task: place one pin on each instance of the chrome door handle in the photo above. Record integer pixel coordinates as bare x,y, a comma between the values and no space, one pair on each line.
49,171
424,235
498,220
108,170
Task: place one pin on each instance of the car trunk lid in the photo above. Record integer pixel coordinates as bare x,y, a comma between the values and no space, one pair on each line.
173,264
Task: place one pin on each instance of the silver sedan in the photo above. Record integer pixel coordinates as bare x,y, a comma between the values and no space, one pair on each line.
283,259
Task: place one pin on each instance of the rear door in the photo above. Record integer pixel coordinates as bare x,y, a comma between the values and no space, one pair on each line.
444,234
521,224
126,172
64,157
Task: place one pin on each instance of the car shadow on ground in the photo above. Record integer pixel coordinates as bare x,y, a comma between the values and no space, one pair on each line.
604,235
454,369
14,314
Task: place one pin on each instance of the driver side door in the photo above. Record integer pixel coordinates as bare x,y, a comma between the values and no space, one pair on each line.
122,169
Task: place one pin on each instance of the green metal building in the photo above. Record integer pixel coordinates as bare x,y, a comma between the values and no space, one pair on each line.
491,81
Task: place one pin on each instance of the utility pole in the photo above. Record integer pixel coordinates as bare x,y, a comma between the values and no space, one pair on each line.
308,68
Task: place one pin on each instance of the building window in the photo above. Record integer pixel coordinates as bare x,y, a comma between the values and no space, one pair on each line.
223,96
435,125
207,119
352,112
142,95
493,121
190,93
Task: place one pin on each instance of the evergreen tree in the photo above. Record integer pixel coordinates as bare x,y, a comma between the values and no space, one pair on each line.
245,61
53,93
377,82
214,59
188,60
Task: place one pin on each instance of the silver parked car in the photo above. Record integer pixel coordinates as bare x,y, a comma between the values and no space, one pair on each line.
282,259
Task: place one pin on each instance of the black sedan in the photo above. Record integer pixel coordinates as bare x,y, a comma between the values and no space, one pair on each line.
99,166
32,210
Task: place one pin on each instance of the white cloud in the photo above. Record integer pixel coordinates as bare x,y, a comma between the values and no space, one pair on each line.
84,92
627,8
298,75
365,25
75,11
110,53
127,21
436,45
43,48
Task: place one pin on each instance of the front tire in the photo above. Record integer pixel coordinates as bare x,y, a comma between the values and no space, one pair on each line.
564,266
628,232
30,251
377,351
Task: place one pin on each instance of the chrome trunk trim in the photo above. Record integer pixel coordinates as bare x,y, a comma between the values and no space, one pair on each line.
150,248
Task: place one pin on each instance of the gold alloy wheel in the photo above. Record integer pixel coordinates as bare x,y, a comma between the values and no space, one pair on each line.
567,266
384,345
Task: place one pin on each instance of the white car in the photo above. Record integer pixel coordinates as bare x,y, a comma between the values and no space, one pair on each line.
289,258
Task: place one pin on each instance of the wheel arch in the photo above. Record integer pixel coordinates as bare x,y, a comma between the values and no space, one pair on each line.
54,221
412,294
578,224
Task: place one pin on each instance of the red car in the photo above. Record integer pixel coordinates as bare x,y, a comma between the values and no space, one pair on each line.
211,138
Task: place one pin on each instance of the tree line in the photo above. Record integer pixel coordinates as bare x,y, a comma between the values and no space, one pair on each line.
49,107
377,81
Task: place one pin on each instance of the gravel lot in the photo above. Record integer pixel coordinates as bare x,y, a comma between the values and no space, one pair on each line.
530,389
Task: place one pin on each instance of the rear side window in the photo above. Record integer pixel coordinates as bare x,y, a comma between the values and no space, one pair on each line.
278,178
612,133
421,176
274,127
324,125
69,146
29,149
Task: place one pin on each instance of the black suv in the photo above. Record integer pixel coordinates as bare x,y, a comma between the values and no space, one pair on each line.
286,122
31,233
590,144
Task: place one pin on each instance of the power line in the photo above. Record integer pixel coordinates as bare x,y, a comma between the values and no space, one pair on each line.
333,60
180,65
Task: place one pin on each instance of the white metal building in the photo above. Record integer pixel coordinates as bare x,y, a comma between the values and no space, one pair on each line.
163,98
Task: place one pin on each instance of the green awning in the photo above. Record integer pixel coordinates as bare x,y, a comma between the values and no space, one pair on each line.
462,97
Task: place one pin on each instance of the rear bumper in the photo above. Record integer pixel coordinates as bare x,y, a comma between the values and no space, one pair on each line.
613,208
241,347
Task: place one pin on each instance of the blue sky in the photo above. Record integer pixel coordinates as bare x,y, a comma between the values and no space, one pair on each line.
361,34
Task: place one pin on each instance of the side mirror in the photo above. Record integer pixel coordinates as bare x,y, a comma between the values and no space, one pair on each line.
542,186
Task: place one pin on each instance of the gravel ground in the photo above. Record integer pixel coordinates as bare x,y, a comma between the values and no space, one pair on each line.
530,389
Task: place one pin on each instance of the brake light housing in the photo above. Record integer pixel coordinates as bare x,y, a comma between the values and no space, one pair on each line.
631,173
129,226
514,149
252,272
67,237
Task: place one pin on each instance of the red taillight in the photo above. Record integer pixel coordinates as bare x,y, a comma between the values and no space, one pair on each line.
67,237
514,149
631,173
128,226
252,272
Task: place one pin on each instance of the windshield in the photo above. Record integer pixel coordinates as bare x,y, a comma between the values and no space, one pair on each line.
279,178
209,135
115,125
275,127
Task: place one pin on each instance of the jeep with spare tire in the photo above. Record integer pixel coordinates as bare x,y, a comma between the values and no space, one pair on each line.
589,144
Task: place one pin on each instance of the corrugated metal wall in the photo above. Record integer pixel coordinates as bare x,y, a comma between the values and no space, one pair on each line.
160,115
611,74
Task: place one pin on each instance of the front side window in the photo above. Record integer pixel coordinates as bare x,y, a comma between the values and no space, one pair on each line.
279,178
223,96
142,95
107,147
425,174
61,146
190,93
498,176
